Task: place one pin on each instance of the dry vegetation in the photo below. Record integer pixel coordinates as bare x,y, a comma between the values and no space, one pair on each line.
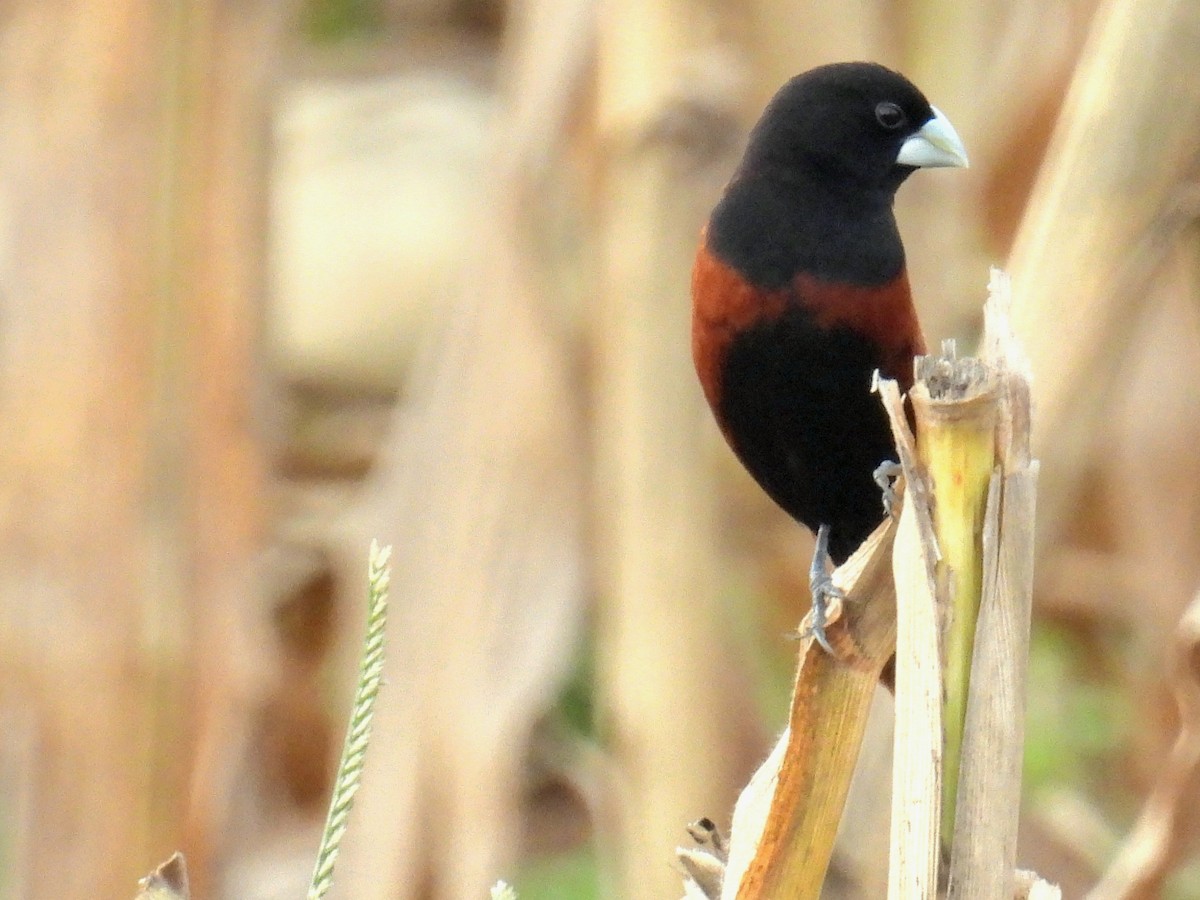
278,278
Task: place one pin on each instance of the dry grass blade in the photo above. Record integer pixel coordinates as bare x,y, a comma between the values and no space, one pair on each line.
1148,852
789,853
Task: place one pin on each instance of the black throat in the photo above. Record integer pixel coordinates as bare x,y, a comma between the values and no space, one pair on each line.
770,228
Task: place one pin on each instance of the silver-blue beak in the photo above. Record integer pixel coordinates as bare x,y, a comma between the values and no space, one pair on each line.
936,144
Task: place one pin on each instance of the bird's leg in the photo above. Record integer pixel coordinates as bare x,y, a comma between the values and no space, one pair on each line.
823,590
885,476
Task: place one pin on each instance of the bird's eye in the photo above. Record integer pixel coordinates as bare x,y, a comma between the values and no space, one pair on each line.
889,115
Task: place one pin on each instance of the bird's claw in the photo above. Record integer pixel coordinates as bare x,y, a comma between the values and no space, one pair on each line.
824,594
885,476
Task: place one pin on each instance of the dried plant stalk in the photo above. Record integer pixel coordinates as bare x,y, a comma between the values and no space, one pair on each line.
956,403
979,560
1115,194
664,129
830,700
984,839
133,459
917,758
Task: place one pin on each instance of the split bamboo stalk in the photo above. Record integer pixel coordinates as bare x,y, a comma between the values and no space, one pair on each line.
918,749
988,804
955,442
794,837
787,817
996,530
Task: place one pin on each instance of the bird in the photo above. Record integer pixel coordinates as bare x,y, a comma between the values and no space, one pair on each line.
800,294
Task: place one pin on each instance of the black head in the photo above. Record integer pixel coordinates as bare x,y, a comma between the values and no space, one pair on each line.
858,124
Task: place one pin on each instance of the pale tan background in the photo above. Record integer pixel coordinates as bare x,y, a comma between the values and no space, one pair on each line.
279,277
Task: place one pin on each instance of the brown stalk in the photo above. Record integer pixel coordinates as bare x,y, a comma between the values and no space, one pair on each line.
829,708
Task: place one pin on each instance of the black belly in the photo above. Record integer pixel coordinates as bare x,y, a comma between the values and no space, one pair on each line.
797,406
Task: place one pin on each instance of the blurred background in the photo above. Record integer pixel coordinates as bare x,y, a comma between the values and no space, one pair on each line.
280,277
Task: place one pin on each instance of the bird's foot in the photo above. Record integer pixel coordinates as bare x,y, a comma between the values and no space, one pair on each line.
885,476
824,592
